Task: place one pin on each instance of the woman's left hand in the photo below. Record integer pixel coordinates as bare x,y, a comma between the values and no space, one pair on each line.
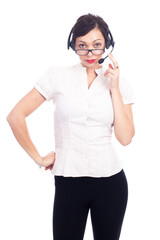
113,73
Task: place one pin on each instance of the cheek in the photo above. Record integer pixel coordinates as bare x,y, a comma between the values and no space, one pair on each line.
82,58
99,57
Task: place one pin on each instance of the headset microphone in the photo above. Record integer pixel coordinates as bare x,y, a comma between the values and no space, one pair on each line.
102,59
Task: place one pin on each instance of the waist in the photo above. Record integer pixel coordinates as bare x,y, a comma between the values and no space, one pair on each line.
83,142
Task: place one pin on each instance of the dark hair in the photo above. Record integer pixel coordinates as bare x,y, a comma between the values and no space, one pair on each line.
85,24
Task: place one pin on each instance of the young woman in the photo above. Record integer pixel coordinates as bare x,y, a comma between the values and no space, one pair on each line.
89,101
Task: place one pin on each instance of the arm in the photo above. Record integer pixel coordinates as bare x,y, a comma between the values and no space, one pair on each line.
123,117
17,122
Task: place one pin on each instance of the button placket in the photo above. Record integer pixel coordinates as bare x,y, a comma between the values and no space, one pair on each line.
87,134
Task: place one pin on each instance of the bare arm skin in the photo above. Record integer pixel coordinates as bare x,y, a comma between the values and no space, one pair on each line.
123,118
17,121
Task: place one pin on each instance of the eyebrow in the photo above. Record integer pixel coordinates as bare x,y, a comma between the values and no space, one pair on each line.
93,41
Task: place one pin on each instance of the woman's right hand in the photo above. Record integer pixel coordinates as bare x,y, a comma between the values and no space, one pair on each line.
48,161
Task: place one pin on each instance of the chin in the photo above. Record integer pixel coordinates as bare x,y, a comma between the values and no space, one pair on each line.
90,65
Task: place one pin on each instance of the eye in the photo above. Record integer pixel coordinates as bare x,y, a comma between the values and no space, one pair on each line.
97,45
82,45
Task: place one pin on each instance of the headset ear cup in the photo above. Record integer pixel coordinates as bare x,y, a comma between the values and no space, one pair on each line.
108,43
71,44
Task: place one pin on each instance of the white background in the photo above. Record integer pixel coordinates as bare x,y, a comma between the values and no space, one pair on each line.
33,37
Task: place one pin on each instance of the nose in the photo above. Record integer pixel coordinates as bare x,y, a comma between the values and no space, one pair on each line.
90,53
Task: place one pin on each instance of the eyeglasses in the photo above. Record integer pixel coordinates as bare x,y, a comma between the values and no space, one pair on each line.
84,52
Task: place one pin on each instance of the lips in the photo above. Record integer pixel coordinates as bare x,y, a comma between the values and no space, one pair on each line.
91,61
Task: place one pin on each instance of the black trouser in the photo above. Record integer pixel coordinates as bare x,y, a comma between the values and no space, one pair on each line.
106,197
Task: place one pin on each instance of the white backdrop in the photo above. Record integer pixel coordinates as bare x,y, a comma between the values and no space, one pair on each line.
33,37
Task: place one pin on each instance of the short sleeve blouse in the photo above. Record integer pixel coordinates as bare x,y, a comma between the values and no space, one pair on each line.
83,120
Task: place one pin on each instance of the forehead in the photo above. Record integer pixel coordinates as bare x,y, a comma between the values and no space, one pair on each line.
94,34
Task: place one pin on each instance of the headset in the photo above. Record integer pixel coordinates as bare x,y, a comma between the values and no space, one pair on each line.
109,42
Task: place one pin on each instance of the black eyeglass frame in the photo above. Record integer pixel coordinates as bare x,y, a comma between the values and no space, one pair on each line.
89,50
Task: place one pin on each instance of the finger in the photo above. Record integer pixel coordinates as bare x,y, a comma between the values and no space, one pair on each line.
51,154
47,168
51,167
110,75
109,70
110,66
113,60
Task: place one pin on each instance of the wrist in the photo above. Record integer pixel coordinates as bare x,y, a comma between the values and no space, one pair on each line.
115,91
41,162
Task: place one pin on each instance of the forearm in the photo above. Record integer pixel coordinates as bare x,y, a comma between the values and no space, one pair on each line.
19,128
123,124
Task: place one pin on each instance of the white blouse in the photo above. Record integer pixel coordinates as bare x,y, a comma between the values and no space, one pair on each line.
83,121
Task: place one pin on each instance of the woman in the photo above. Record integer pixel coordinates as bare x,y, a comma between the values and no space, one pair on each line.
89,100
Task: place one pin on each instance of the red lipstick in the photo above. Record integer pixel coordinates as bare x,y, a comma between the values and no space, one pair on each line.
91,61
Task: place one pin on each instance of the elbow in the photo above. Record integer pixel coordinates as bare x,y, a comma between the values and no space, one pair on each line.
128,139
9,118
126,142
13,117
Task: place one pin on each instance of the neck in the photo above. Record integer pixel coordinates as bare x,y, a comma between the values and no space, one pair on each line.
92,69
